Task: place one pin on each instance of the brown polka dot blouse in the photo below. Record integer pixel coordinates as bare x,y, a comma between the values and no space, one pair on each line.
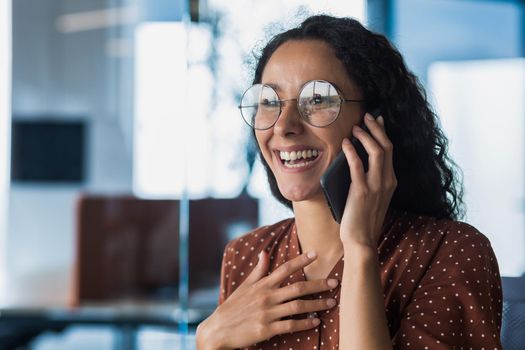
440,279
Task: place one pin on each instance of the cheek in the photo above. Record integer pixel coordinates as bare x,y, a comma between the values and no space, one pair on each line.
334,137
261,140
342,131
348,121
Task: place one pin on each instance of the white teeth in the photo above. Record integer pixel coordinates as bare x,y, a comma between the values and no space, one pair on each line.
298,165
295,155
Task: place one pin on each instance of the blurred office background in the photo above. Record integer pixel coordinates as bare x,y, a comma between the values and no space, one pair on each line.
125,166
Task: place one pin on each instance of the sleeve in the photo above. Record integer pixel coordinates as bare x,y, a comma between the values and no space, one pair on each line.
457,304
224,290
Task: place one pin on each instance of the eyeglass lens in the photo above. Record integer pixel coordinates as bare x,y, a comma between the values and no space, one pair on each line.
318,103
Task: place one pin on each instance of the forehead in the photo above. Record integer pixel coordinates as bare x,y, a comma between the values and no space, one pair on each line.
297,61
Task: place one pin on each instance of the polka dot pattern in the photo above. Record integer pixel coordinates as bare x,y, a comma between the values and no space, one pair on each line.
440,280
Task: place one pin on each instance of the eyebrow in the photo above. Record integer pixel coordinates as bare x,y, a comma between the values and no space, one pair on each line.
273,86
277,88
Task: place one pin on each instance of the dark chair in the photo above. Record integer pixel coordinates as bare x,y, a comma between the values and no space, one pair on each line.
513,323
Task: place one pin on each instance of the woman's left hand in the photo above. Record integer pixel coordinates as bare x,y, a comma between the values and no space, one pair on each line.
370,193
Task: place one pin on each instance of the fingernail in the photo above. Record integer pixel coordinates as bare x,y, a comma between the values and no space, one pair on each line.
381,120
260,254
311,254
357,128
316,321
369,116
330,302
332,282
346,141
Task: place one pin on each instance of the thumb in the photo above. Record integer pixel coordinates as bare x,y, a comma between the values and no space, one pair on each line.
261,269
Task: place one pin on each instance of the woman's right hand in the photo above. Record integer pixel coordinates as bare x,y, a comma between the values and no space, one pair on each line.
253,312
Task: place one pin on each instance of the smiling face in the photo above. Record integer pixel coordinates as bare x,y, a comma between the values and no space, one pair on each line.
292,65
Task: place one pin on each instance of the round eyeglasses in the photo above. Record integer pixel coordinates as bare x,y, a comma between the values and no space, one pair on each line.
319,104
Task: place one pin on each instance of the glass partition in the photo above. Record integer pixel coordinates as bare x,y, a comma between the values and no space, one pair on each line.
5,109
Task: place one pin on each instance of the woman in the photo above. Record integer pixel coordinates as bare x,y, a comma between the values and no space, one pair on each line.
399,271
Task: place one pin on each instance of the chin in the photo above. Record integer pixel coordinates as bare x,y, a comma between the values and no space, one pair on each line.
299,193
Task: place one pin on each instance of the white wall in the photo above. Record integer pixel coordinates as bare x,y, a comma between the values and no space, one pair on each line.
482,110
5,119
62,74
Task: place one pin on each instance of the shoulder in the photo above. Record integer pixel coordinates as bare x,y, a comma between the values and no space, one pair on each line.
459,232
461,238
416,246
447,276
425,231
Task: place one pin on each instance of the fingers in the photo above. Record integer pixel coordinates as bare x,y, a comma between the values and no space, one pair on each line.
377,128
389,176
374,150
379,148
290,326
357,172
300,289
260,270
298,306
290,267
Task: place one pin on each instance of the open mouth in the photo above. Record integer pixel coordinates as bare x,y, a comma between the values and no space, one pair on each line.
298,159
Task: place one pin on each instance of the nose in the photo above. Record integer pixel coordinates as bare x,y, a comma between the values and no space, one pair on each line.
289,121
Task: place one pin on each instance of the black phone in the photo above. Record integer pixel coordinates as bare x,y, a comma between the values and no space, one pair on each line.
336,180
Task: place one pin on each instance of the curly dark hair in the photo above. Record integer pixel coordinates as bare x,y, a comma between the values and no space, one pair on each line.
428,182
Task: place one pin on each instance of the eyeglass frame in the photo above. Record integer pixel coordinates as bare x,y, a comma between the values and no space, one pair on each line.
339,93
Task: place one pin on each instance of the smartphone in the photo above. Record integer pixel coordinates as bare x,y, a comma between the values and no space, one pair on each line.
336,180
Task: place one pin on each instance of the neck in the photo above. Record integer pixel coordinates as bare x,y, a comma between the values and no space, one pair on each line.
316,228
